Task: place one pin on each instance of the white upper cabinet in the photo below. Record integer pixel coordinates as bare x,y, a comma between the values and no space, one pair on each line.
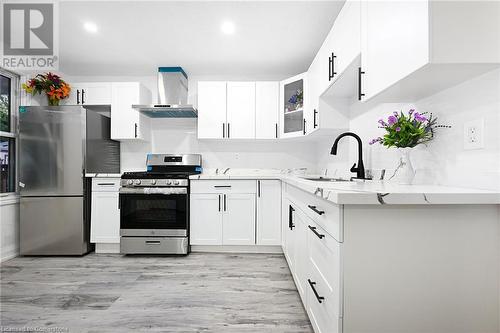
128,123
240,110
345,38
237,110
395,42
212,110
268,212
89,93
293,106
266,110
413,49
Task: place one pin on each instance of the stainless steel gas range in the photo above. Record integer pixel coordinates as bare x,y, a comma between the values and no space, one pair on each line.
154,205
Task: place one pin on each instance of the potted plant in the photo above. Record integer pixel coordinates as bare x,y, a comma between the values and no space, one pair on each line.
404,132
51,84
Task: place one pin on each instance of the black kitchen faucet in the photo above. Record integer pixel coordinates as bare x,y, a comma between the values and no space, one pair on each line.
359,168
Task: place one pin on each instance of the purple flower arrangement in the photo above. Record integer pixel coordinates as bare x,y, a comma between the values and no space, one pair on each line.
296,100
407,130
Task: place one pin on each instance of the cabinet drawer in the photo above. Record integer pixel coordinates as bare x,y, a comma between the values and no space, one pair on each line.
324,316
327,214
105,184
223,186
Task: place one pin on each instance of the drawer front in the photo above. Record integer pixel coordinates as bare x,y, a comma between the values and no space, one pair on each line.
327,214
223,186
154,245
105,184
323,312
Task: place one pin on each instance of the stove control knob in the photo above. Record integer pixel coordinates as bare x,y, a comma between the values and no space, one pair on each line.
137,182
169,182
176,182
153,182
129,182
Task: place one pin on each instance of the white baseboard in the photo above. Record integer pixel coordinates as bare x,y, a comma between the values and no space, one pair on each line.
237,248
107,248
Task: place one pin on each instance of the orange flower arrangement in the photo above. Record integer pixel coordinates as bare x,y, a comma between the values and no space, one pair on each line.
51,84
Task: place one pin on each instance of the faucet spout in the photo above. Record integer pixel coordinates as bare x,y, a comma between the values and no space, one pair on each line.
358,168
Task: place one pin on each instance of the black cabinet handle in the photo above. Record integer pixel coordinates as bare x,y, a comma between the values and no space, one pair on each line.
223,130
135,130
78,96
290,217
313,208
304,127
258,188
225,203
313,229
222,186
314,119
228,132
105,184
276,130
219,202
318,297
360,94
83,96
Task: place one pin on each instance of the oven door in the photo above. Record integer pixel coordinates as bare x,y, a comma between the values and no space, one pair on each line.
154,211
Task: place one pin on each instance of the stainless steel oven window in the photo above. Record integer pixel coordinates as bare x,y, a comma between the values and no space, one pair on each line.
9,105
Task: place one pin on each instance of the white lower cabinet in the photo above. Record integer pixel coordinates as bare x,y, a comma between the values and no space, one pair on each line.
268,212
313,256
105,216
238,219
235,212
222,212
206,219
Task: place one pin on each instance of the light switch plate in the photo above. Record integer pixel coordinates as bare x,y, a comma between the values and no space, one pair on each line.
474,134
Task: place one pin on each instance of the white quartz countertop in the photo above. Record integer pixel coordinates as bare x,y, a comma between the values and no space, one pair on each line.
103,175
373,192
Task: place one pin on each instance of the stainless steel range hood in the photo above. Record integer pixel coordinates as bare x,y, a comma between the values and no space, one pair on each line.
172,96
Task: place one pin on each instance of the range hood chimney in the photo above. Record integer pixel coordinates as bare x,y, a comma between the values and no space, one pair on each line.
172,96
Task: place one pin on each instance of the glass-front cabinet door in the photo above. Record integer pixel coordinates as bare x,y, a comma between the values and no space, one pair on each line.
293,106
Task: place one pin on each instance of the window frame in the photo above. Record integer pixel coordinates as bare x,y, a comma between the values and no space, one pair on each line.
13,133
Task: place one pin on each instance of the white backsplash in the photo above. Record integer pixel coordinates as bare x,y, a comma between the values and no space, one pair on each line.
444,161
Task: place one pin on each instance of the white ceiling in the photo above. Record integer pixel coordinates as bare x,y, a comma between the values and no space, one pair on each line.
135,37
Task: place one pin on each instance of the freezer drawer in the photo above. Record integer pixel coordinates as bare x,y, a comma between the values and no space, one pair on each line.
53,226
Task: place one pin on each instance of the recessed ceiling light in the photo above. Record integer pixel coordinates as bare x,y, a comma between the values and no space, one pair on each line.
227,27
90,27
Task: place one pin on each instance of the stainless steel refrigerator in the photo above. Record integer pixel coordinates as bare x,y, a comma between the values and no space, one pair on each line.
57,147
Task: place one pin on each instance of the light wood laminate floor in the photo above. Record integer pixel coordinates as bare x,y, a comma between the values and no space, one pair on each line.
111,293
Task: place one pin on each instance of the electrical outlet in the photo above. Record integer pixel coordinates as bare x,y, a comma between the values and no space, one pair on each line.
474,134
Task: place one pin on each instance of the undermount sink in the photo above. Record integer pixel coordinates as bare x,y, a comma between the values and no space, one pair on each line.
325,179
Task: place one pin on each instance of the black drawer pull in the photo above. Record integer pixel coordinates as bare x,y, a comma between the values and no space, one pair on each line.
222,186
313,208
313,229
318,297
105,184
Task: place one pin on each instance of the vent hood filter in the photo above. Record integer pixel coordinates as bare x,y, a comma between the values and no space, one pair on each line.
172,96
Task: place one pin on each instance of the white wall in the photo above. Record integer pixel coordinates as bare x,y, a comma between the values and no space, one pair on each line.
444,160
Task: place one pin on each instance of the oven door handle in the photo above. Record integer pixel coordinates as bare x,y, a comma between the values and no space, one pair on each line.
153,190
